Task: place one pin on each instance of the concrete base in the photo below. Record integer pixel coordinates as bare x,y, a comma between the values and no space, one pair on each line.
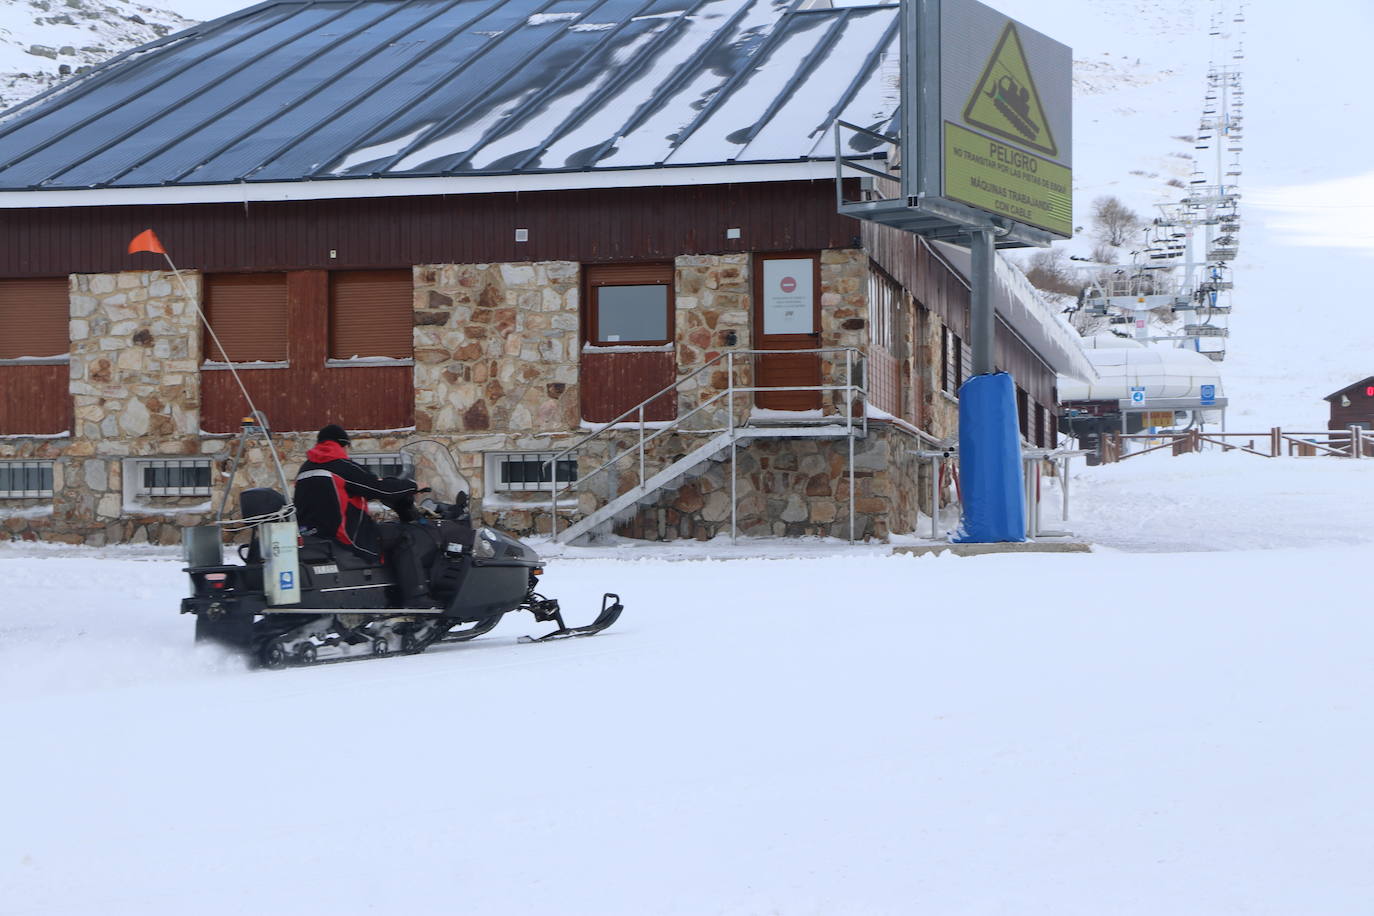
975,550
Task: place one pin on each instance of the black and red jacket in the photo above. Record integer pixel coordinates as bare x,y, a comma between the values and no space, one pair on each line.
332,493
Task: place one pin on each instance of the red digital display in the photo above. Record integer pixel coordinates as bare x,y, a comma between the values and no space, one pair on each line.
1369,391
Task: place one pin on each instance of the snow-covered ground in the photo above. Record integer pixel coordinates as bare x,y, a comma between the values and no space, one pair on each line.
1176,723
1137,730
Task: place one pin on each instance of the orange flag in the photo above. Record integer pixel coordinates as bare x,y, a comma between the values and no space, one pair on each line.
146,241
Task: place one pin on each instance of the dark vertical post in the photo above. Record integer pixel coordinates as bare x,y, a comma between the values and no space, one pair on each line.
982,323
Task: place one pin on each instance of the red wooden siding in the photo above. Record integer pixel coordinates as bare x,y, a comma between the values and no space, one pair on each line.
1360,409
307,395
360,398
612,383
911,262
35,401
608,224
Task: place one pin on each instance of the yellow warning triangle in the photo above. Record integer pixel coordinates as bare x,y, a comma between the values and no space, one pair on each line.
1005,100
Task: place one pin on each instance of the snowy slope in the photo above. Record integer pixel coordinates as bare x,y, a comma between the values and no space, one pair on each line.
842,734
1300,329
42,41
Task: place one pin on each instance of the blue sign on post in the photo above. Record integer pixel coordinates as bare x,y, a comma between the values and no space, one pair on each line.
1138,395
1209,395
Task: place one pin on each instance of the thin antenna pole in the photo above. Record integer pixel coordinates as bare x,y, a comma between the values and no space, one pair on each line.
258,416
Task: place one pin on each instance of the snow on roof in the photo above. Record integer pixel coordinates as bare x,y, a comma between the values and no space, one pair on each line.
1027,313
1109,342
1162,372
293,91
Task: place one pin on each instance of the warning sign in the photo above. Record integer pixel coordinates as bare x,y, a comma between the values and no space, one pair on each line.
993,176
1006,103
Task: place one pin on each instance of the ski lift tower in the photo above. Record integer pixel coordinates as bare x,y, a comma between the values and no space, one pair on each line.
982,157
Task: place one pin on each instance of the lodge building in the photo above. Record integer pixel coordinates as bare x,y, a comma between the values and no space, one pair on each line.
498,226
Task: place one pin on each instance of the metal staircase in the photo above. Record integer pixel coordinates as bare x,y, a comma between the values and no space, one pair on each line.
723,418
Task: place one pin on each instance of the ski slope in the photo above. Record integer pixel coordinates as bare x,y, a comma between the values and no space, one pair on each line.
1131,731
1300,329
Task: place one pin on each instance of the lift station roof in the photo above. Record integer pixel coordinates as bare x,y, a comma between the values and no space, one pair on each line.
292,91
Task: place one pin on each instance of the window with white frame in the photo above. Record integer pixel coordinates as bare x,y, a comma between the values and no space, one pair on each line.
516,472
170,476
389,465
25,479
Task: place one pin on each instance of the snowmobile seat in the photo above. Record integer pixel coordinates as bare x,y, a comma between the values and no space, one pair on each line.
253,502
257,501
317,549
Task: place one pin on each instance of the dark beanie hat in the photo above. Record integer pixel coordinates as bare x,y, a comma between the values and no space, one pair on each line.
333,433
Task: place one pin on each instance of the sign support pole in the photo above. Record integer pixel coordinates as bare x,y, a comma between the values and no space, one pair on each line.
982,320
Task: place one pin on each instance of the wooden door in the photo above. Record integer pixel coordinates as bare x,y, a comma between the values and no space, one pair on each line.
628,350
787,316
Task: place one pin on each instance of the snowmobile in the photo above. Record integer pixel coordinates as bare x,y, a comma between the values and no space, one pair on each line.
298,598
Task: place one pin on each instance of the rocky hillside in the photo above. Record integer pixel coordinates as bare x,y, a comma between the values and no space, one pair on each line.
45,41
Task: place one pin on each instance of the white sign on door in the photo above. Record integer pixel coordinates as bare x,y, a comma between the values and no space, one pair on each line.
789,296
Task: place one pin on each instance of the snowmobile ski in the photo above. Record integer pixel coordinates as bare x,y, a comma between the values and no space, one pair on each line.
610,613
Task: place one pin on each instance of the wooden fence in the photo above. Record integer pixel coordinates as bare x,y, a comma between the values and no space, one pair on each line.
1353,442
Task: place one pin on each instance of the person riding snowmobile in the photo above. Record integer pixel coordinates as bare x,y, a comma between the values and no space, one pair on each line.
331,497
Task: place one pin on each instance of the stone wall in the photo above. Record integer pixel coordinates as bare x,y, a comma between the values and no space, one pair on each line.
792,488
496,347
714,299
135,386
844,315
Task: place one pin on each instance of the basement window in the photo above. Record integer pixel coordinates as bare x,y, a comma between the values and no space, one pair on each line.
389,465
170,476
25,479
519,472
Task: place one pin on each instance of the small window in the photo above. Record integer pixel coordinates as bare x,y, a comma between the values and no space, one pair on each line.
528,471
393,465
630,304
371,314
34,316
248,314
172,477
25,479
951,362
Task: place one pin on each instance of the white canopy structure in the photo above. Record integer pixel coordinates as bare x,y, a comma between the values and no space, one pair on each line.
1165,374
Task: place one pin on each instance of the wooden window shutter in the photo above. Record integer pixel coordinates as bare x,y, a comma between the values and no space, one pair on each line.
628,274
34,317
248,314
371,314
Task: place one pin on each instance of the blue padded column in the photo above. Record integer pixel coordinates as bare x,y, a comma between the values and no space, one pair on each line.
990,461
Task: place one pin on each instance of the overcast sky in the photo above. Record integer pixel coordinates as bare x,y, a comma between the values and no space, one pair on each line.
205,9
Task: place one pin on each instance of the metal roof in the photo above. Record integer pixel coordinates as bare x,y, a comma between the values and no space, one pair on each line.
300,90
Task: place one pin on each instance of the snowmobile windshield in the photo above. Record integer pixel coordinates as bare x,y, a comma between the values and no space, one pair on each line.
433,468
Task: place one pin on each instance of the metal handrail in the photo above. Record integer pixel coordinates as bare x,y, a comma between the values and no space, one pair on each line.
675,427
843,162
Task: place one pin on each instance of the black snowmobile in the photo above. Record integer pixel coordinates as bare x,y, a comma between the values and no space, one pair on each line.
298,598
